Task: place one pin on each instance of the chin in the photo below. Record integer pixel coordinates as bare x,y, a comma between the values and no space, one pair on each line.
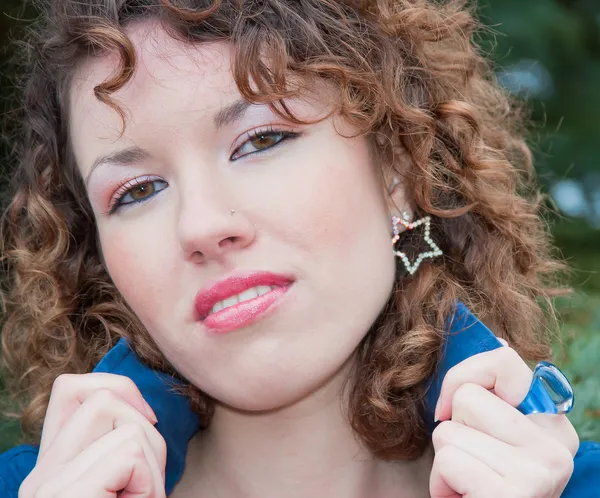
266,405
280,392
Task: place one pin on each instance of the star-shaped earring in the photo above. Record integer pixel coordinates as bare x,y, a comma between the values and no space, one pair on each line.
411,225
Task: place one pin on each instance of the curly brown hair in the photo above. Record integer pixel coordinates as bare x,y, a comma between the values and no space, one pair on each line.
411,79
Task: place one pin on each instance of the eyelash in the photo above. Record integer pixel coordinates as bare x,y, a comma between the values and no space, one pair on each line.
129,185
268,131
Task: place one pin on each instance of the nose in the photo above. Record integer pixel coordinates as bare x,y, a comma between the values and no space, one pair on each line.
210,229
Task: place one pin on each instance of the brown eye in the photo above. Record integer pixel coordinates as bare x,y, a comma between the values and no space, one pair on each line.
142,191
138,193
262,141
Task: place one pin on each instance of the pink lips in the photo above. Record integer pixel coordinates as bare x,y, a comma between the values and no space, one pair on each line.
242,313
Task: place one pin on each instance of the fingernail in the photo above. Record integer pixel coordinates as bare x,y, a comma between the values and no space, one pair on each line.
150,412
436,416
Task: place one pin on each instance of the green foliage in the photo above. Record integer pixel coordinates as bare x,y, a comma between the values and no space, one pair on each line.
9,434
563,38
578,356
9,429
580,245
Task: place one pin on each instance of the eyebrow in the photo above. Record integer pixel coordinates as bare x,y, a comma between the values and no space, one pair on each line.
130,155
231,113
133,155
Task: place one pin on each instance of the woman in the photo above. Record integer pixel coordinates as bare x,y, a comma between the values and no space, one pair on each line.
217,185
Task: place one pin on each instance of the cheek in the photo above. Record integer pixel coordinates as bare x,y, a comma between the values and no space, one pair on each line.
343,210
341,222
133,262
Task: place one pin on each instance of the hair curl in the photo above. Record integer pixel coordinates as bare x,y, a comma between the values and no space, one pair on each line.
410,78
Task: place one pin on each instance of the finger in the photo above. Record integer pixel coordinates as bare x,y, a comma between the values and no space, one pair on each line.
515,463
456,473
502,458
98,415
122,462
559,427
501,370
476,407
70,391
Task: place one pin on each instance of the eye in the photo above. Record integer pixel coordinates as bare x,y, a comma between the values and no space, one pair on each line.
260,141
136,191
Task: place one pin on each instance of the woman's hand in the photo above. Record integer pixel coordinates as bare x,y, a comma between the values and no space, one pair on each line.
484,447
98,441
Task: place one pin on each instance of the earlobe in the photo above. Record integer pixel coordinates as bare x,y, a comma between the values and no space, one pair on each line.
396,197
393,184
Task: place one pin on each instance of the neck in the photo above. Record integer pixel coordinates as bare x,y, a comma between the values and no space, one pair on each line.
300,451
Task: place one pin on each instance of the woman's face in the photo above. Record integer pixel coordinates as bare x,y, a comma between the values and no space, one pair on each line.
310,227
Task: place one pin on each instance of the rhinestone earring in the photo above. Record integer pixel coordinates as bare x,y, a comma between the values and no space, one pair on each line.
410,225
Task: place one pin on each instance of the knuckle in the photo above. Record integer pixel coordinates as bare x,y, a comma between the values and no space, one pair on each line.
571,439
534,479
27,489
127,383
451,376
133,431
464,394
46,490
42,482
63,383
442,433
520,491
149,437
103,395
542,481
30,487
134,449
162,448
509,360
128,386
101,402
444,461
454,377
43,492
565,476
444,457
509,354
560,462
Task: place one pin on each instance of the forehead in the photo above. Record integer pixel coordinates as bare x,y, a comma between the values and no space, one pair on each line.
186,77
160,60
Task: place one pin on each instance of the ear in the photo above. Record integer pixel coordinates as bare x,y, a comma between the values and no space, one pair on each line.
396,195
393,165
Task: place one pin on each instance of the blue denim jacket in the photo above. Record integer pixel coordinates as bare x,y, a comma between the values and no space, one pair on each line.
177,423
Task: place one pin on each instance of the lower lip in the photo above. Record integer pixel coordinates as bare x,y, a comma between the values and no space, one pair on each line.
244,313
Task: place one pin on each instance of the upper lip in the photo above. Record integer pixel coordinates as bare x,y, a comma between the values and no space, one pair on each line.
232,285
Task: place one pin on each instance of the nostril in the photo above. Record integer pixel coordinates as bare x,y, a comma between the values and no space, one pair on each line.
196,257
228,241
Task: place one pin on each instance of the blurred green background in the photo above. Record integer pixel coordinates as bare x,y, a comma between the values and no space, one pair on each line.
548,52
